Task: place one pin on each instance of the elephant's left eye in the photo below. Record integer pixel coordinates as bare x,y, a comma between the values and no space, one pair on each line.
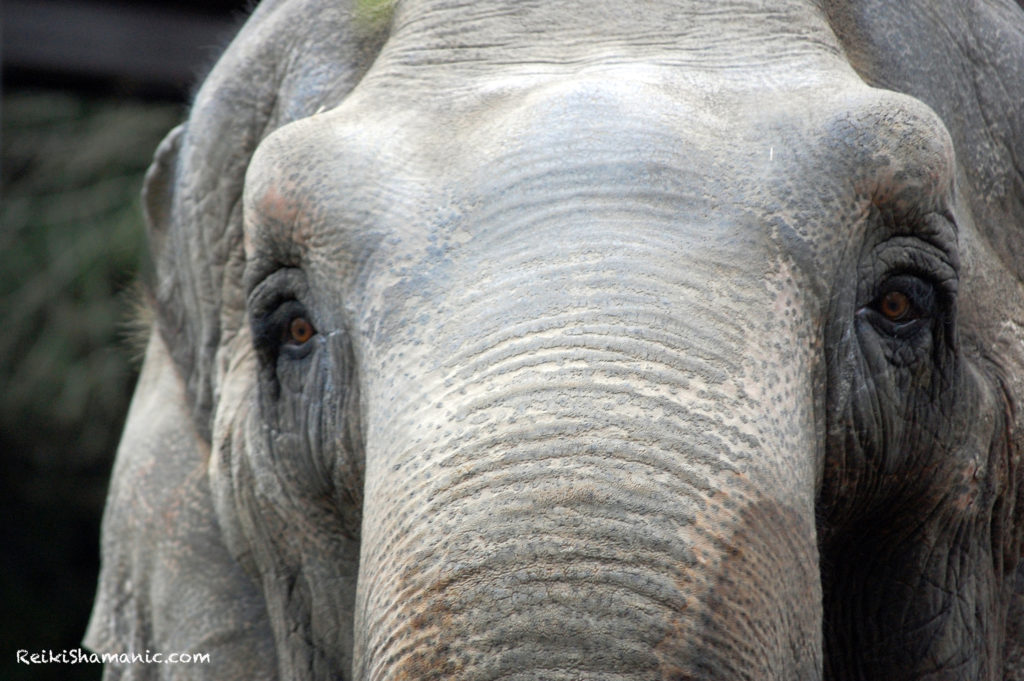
903,300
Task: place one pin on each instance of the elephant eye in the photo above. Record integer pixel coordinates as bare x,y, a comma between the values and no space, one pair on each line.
902,300
300,330
284,327
895,306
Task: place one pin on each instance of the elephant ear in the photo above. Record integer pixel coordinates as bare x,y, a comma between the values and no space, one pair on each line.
170,581
168,584
291,59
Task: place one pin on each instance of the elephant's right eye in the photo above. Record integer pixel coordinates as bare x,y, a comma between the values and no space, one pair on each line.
282,326
896,306
284,330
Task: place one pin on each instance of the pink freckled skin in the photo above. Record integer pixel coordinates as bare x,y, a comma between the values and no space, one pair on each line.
278,210
276,206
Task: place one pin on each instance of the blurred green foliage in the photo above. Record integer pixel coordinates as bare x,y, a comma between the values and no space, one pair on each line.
71,248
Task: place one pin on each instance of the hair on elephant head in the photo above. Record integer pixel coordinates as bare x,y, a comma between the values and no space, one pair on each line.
584,340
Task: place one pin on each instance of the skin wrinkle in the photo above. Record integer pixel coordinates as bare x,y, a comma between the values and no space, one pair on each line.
422,27
950,590
973,55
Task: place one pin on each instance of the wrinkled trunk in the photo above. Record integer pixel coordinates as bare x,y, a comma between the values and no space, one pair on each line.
589,485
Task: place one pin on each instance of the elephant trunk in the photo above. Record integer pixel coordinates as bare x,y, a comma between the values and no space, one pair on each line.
591,488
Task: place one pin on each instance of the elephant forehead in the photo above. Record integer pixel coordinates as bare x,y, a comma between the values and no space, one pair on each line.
436,38
617,146
633,143
613,125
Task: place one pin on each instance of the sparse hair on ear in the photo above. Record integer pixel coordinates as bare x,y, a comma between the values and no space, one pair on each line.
212,52
139,317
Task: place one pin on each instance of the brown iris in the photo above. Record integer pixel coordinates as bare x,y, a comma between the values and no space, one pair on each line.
895,306
300,330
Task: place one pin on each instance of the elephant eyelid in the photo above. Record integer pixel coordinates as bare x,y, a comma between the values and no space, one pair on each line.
280,323
903,302
277,316
920,292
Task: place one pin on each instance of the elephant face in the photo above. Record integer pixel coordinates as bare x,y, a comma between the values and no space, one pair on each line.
583,340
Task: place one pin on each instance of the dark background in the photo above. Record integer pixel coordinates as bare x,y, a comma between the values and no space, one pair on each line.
88,90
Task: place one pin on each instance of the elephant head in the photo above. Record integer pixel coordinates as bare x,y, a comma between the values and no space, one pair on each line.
578,340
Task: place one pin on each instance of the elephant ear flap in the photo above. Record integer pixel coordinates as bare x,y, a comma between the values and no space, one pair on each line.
119,616
164,558
179,263
158,188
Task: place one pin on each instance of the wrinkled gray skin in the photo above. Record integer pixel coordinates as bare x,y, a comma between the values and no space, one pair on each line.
602,384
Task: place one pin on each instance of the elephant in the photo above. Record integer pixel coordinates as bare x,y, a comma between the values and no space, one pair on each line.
583,340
